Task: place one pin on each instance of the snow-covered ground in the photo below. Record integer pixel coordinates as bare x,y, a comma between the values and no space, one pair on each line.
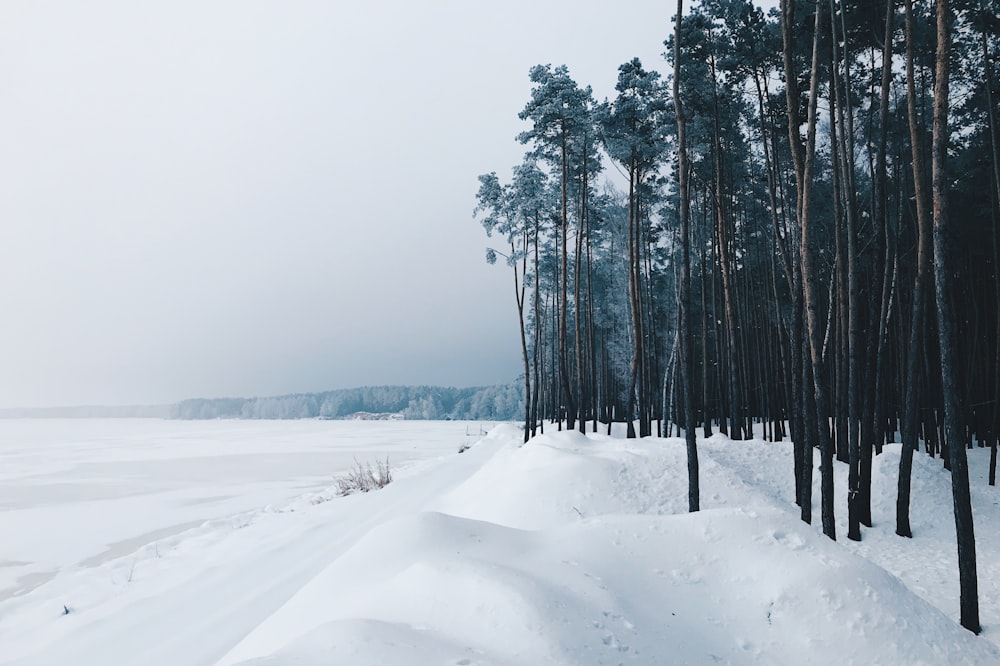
225,543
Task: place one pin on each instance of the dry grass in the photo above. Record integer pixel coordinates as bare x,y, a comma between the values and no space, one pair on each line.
363,478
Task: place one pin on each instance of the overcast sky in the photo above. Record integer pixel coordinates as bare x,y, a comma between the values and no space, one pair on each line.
246,197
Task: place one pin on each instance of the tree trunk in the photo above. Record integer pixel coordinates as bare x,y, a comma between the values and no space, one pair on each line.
922,282
687,351
520,288
944,233
633,296
995,159
536,352
568,407
705,414
870,424
993,461
853,324
810,288
577,311
803,474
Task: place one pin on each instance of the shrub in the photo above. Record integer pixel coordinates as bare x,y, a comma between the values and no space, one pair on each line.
363,478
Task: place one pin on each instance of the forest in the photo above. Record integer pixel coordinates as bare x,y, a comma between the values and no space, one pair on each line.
792,232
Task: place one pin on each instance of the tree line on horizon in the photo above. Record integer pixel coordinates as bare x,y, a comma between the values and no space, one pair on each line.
496,403
806,246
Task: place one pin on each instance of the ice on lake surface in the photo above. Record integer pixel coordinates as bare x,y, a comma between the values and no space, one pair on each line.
80,492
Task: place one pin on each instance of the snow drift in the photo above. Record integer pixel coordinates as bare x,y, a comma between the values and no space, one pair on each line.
570,549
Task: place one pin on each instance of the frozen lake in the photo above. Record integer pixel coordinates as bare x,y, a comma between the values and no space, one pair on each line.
78,493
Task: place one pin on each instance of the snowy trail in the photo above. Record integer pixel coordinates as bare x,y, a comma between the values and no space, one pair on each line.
233,583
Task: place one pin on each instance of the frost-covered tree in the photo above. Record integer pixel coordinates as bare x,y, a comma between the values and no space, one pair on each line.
634,129
560,113
515,211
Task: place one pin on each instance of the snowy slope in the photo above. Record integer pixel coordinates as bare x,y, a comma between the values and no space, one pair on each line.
571,549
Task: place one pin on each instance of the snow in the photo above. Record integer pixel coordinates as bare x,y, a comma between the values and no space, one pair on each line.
225,543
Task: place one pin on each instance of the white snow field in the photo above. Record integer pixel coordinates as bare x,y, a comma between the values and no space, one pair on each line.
224,542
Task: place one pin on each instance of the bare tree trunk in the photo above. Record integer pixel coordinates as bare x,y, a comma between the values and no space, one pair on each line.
846,147
591,344
569,407
803,472
809,433
520,288
705,415
537,356
684,324
995,155
993,461
810,287
838,283
634,300
577,310
923,280
870,425
944,233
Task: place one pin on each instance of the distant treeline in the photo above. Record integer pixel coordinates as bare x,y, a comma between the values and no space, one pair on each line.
501,402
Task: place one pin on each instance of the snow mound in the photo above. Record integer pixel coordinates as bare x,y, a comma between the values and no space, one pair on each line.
566,476
575,549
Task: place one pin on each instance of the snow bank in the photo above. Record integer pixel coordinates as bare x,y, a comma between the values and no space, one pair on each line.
576,550
570,549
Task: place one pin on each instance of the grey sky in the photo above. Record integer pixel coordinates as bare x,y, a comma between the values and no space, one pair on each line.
248,197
